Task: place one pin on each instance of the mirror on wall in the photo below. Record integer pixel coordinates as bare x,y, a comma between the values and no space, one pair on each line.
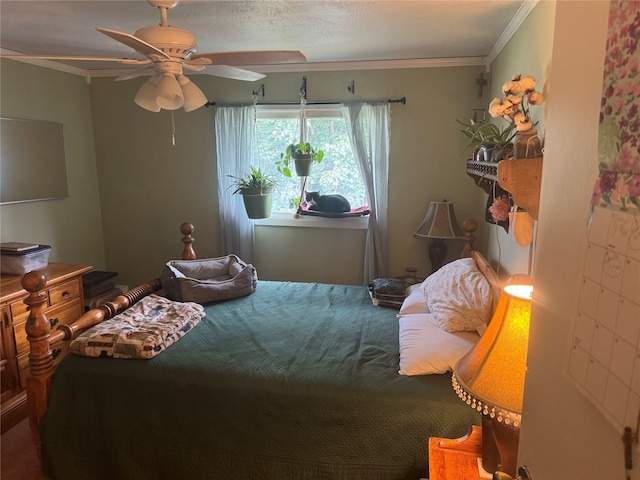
32,161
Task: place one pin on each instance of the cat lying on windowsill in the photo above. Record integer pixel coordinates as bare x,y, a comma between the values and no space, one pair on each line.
327,203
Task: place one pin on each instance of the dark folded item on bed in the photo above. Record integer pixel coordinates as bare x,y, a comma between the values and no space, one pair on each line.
388,292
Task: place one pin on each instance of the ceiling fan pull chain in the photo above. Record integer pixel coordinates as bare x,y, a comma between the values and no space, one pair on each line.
173,130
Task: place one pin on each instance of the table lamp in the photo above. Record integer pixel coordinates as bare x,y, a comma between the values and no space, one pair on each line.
490,377
439,224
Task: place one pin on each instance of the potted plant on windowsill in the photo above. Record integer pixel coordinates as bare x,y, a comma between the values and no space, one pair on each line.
256,189
303,155
492,142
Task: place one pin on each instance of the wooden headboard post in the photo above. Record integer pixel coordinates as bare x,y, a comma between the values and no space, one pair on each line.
188,253
469,226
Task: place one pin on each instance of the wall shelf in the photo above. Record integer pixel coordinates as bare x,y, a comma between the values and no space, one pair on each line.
484,174
519,177
522,178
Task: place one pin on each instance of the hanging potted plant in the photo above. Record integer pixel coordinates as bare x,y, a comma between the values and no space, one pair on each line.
303,155
256,189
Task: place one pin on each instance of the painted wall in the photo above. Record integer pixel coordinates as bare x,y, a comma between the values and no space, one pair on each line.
563,435
72,226
528,52
148,187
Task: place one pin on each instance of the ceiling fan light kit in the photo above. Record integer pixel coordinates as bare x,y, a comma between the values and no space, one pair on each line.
193,96
146,96
169,50
169,94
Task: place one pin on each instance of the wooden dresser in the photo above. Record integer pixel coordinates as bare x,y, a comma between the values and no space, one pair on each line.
65,303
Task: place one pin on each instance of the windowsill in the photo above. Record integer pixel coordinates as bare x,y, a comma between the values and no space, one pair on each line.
288,220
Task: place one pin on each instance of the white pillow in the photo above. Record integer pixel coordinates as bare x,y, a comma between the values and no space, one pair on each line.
425,348
459,296
415,301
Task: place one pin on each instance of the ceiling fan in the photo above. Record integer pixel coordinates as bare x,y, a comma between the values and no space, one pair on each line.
169,51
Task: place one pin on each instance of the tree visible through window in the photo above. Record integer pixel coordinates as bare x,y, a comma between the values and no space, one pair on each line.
338,173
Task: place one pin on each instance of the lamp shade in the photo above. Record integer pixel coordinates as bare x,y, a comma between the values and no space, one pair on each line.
169,94
439,222
490,377
146,96
193,96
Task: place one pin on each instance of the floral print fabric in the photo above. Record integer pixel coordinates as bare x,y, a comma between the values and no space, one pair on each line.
619,136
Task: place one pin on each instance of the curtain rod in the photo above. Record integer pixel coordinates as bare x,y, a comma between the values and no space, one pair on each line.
402,100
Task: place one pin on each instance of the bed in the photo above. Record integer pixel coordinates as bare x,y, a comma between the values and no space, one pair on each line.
296,380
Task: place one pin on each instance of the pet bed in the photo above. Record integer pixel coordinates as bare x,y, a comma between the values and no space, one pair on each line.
355,212
208,280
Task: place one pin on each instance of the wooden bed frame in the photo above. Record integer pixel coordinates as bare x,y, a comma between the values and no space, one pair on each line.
41,336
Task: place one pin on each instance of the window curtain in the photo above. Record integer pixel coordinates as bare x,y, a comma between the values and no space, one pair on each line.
235,148
368,129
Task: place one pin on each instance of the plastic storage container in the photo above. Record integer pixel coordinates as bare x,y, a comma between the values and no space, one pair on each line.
19,263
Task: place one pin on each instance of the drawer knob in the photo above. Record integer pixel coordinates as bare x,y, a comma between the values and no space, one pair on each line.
56,352
65,293
53,322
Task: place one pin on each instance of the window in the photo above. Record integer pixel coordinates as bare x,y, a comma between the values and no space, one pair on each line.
278,126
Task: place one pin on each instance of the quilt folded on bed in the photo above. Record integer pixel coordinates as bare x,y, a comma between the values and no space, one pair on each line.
143,331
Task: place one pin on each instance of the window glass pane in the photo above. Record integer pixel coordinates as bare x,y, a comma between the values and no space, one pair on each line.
327,131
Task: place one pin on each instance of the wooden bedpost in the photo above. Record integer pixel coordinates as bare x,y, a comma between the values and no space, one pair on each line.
38,331
41,336
187,253
469,226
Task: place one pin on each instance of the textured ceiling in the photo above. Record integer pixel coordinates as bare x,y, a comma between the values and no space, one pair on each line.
325,31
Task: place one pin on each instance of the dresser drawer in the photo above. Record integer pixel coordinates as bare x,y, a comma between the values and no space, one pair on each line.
55,295
65,313
64,292
19,310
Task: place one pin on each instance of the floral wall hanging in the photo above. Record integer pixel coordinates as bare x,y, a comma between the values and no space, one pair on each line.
618,186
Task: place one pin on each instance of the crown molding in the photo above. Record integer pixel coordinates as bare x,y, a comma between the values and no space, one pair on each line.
512,28
62,67
337,66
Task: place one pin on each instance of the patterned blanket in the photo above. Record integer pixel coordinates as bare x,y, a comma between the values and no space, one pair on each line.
142,331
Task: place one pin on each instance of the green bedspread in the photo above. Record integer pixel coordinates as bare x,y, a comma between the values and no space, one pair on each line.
296,381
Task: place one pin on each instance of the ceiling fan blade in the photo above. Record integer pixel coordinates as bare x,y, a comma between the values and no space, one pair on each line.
126,61
232,72
195,65
197,61
134,73
253,57
134,42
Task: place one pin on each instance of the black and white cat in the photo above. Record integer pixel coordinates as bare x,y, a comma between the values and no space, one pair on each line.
327,203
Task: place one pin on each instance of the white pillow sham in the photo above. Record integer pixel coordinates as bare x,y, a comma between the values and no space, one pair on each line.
415,301
459,296
427,349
